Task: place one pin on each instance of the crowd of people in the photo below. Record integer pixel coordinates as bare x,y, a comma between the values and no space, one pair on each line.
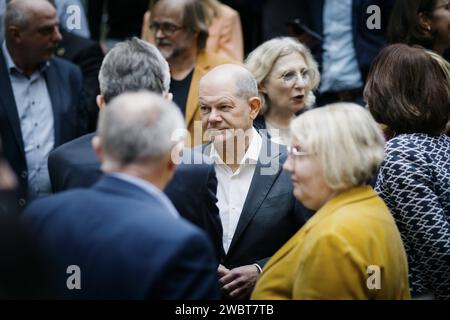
168,161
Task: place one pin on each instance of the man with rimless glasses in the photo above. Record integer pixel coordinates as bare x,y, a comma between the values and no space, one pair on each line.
180,30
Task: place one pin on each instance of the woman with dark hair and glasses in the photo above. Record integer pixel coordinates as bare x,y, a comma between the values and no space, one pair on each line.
351,247
408,91
287,75
421,22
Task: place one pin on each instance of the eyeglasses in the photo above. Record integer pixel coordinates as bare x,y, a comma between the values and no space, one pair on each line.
291,77
166,27
296,152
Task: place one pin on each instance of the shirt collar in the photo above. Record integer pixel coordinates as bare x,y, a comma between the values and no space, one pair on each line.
10,65
250,157
147,187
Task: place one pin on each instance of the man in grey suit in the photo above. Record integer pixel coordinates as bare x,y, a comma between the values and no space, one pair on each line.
257,208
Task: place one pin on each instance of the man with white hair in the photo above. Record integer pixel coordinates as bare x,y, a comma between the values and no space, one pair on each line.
123,234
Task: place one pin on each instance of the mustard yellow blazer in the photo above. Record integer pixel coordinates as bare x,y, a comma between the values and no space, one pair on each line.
350,249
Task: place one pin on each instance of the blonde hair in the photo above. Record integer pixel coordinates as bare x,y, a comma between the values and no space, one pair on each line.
261,60
445,66
347,141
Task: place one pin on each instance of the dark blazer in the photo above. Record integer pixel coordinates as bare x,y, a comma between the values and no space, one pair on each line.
192,190
270,216
125,242
88,55
65,86
367,43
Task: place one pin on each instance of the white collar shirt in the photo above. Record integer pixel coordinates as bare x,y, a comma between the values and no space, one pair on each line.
232,187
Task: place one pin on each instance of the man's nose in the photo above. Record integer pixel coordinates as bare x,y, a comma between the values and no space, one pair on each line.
57,34
214,116
159,34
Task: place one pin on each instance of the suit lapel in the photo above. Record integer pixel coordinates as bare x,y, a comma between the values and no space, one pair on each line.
259,187
8,101
51,78
201,67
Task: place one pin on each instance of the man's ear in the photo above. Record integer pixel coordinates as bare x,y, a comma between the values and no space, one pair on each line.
255,106
100,101
98,147
424,21
15,34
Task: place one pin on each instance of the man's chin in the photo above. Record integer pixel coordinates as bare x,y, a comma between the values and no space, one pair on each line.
165,51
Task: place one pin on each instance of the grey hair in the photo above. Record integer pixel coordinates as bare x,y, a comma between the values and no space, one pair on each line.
261,60
136,127
133,65
246,85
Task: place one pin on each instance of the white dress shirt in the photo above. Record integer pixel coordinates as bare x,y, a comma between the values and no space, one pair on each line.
37,123
232,187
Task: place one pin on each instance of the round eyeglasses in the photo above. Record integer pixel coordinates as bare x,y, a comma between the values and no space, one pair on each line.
294,151
291,77
166,27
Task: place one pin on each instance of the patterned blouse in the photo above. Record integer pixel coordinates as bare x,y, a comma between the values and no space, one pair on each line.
414,181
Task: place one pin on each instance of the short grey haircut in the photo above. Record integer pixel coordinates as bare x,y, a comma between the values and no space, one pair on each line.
347,140
261,60
133,65
137,127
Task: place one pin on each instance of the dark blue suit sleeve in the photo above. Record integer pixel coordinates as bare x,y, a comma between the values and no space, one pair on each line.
192,274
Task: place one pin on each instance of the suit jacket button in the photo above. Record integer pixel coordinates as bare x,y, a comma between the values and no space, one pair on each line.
22,202
24,174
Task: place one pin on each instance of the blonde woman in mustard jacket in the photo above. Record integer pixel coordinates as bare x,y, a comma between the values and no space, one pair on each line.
351,248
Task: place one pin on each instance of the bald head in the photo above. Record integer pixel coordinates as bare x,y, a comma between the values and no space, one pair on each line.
31,32
20,12
229,102
244,82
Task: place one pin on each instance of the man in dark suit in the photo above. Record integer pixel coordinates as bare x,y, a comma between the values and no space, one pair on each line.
122,238
193,188
258,210
22,266
352,38
42,102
